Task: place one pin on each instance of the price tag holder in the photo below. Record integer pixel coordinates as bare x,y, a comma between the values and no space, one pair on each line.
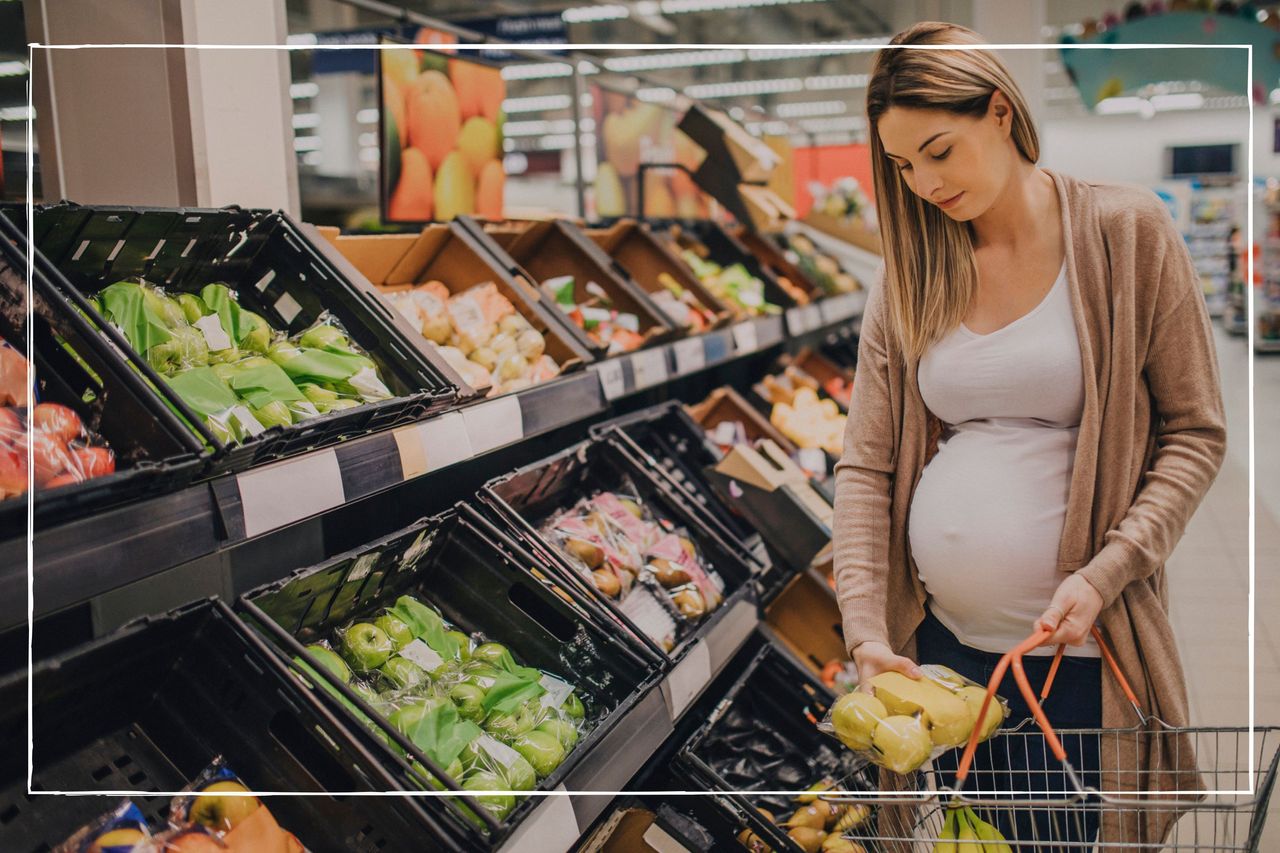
796,320
687,680
494,424
432,444
691,356
286,492
744,338
551,828
613,380
649,367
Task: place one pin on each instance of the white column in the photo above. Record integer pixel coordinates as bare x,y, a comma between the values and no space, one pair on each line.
148,126
1018,23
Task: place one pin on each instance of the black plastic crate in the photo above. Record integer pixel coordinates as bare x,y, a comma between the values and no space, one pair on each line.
763,736
155,453
525,498
483,582
148,707
671,442
262,256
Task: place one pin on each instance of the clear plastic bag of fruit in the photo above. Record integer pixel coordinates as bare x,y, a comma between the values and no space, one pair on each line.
63,450
124,828
596,547
218,804
899,723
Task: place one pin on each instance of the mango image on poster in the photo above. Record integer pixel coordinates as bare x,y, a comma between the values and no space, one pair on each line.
480,89
658,201
479,143
413,198
489,189
610,198
455,188
400,65
431,109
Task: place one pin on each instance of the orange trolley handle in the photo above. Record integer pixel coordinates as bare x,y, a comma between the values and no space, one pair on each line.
1014,658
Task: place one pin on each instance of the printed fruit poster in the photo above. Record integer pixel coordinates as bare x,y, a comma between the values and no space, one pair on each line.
630,132
441,136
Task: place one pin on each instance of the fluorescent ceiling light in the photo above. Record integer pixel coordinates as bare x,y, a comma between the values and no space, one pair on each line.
739,88
537,128
834,123
680,7
1182,101
837,48
679,59
306,120
306,143
657,94
368,155
303,90
649,8
13,68
1125,106
301,38
536,71
537,104
591,14
837,81
558,142
369,116
769,128
800,109
313,158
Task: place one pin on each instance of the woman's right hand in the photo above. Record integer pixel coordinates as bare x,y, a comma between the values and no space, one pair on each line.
874,658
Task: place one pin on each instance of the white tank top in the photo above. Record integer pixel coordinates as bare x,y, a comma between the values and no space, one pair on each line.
987,515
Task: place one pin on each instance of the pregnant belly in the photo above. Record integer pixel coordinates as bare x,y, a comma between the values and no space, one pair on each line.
986,520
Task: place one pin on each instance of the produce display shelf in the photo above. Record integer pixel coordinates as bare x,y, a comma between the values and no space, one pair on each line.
80,560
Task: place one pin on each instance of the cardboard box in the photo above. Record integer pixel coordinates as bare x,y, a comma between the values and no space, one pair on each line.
805,619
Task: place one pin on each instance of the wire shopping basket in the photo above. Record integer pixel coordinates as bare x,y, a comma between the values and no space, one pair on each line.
1025,785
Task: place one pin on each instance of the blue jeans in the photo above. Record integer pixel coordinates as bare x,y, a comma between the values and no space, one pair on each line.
1023,762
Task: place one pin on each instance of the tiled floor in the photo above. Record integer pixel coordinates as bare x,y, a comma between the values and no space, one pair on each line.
1209,571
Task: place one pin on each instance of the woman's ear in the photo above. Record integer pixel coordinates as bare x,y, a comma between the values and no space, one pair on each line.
1000,111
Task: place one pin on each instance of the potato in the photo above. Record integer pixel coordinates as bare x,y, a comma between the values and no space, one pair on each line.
511,366
513,324
485,357
503,343
531,344
690,604
437,329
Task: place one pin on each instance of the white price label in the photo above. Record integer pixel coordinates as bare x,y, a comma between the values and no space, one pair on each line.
558,690
649,367
687,680
691,355
796,321
612,379
552,828
288,308
815,316
494,424
215,336
290,491
744,338
242,416
661,842
423,655
813,460
432,445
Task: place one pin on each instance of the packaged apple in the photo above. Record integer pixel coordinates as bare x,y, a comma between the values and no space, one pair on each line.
231,367
218,806
122,830
899,723
481,335
619,331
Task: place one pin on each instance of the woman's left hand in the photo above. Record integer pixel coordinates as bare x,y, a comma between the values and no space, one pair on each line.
1075,608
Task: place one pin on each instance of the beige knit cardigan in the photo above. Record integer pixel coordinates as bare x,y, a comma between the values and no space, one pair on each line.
1152,437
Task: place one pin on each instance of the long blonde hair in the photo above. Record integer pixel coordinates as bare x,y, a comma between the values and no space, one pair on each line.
930,273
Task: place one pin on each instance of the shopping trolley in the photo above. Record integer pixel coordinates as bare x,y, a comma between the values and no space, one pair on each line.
1051,808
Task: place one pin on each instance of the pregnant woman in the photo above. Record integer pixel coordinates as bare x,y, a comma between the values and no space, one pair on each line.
1037,415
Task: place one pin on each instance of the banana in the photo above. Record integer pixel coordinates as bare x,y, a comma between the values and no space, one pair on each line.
965,834
946,839
995,842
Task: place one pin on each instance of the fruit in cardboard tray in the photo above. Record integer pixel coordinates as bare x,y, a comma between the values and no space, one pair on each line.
223,805
973,697
330,660
573,707
809,839
902,742
690,604
402,672
542,750
365,646
468,699
394,627
499,805
946,714
668,573
855,716
606,582
562,730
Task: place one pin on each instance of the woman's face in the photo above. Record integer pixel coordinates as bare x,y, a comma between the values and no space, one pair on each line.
960,163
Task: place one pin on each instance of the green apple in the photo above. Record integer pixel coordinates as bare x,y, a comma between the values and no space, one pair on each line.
344,403
224,357
480,675
520,775
218,809
541,749
491,653
562,730
573,707
318,395
258,338
365,646
508,726
325,337
193,307
164,307
190,346
453,771
330,660
251,363
855,716
282,351
402,672
400,633
409,717
499,805
274,413
468,698
462,642
163,358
